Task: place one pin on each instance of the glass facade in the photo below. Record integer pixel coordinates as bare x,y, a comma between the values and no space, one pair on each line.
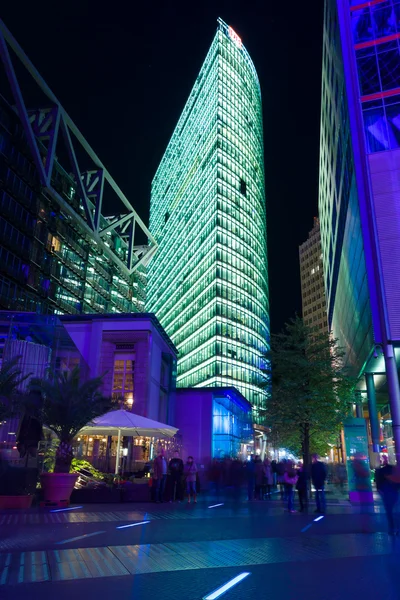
376,38
48,264
208,282
346,285
231,427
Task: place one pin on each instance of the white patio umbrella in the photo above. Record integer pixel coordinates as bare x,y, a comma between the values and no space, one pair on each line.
122,422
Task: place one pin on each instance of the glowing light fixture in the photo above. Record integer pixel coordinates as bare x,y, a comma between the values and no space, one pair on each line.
230,584
133,524
62,509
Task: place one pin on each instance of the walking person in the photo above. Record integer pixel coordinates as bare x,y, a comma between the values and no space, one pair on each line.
280,474
160,468
301,486
268,478
175,467
388,487
250,473
290,480
259,477
190,475
318,478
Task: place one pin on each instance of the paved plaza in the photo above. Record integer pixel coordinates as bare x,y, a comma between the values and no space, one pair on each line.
171,551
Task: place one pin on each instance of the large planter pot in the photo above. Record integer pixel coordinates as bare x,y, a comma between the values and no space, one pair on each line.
57,487
15,502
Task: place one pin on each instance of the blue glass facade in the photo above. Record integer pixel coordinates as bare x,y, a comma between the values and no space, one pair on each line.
231,426
376,37
348,306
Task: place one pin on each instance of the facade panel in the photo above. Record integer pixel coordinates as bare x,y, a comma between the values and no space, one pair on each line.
208,282
349,315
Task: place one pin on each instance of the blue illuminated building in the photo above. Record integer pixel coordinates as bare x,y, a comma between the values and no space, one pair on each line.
359,197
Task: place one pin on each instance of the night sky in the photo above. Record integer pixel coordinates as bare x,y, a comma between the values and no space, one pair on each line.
123,72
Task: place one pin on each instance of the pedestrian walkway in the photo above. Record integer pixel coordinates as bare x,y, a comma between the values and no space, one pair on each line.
81,563
190,550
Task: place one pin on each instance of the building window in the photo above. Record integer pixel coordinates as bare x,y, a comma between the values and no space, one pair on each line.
123,379
243,187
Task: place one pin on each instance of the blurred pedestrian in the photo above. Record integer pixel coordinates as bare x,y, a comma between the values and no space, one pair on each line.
280,473
273,467
387,484
259,477
250,473
160,468
301,486
290,480
268,478
175,467
214,476
190,475
318,478
341,475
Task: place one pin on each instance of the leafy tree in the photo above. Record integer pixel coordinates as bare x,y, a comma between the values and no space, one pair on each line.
311,390
68,404
11,378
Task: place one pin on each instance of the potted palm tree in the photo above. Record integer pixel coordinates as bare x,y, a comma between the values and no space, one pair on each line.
68,404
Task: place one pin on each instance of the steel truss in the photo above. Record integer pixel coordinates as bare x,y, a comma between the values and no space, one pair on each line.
43,128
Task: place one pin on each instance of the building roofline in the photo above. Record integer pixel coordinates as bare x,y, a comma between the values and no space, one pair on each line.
122,316
231,390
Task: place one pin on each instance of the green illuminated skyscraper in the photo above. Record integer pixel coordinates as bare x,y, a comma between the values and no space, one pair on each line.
208,282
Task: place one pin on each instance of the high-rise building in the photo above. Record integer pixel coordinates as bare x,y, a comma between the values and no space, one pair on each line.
208,282
312,280
59,253
359,194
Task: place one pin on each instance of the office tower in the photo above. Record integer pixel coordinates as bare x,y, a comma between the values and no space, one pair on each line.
359,194
208,282
312,280
59,253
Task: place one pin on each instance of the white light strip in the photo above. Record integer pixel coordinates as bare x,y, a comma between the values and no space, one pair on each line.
215,505
318,518
80,537
62,509
226,587
133,524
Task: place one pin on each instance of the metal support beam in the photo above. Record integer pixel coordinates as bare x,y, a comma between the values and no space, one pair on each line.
116,223
131,248
16,90
394,395
78,176
46,124
93,182
372,410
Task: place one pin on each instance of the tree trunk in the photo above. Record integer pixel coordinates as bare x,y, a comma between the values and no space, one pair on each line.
307,458
64,457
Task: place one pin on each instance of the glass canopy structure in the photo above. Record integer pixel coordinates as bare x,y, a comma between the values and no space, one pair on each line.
208,282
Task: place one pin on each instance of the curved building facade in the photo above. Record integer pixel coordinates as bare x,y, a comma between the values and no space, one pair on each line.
208,282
